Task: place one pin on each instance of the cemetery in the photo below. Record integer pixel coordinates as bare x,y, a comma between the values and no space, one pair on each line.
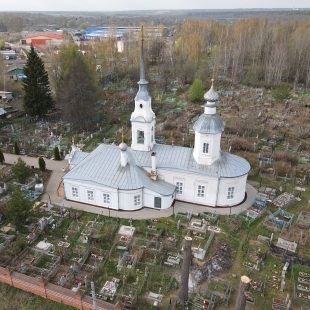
137,264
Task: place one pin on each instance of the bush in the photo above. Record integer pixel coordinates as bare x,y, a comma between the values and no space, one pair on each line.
56,153
42,164
282,156
241,144
16,148
196,91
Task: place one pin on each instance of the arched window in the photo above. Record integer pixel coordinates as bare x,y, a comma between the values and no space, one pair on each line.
140,137
205,148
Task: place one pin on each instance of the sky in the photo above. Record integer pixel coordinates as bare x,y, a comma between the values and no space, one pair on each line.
124,5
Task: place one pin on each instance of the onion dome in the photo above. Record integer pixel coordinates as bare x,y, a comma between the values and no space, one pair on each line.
211,95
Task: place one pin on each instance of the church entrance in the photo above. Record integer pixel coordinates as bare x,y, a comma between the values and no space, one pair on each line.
157,202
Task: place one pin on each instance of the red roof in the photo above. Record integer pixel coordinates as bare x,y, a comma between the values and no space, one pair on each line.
47,35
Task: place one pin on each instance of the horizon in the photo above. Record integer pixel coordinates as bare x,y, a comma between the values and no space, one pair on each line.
159,5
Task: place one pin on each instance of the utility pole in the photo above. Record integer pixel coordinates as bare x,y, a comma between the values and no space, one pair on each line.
92,285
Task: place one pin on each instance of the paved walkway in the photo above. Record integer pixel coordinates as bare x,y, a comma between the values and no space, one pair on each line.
52,186
54,165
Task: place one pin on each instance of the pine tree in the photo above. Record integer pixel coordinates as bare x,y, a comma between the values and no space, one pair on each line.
38,98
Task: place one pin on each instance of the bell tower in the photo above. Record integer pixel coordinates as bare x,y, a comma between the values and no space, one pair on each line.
143,118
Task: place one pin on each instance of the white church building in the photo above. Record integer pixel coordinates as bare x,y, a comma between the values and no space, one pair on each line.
153,175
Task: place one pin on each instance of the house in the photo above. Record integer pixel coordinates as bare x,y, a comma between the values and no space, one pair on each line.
37,39
153,175
16,72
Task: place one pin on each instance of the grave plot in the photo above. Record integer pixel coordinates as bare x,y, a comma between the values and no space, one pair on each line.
303,220
286,245
234,223
301,283
258,207
279,220
94,259
126,261
183,217
203,303
210,217
109,289
278,303
218,291
198,226
159,279
284,200
255,252
36,262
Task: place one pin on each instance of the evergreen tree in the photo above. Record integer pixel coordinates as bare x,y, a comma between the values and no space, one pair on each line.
18,208
56,153
281,92
16,148
75,86
1,157
21,171
38,98
196,91
42,164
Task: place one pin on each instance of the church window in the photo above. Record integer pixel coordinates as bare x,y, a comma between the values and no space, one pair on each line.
179,187
230,193
90,195
75,192
137,200
106,198
141,105
201,191
140,137
205,148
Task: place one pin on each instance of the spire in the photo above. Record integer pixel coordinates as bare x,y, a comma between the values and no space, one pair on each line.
142,70
122,134
143,93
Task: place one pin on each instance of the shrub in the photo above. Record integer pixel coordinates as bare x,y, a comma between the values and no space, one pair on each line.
241,144
56,153
285,157
42,164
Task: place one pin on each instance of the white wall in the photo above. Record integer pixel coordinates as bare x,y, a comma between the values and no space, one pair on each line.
126,199
214,148
238,183
98,194
190,186
149,198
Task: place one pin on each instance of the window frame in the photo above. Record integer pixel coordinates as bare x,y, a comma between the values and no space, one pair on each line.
230,193
74,192
90,197
207,146
137,200
106,198
201,191
179,185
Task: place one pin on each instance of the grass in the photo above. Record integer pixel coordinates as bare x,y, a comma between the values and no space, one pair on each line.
13,298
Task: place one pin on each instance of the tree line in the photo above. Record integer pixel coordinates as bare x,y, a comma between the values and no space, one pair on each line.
253,51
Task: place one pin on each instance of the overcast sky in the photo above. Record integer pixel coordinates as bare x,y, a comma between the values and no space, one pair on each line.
122,5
